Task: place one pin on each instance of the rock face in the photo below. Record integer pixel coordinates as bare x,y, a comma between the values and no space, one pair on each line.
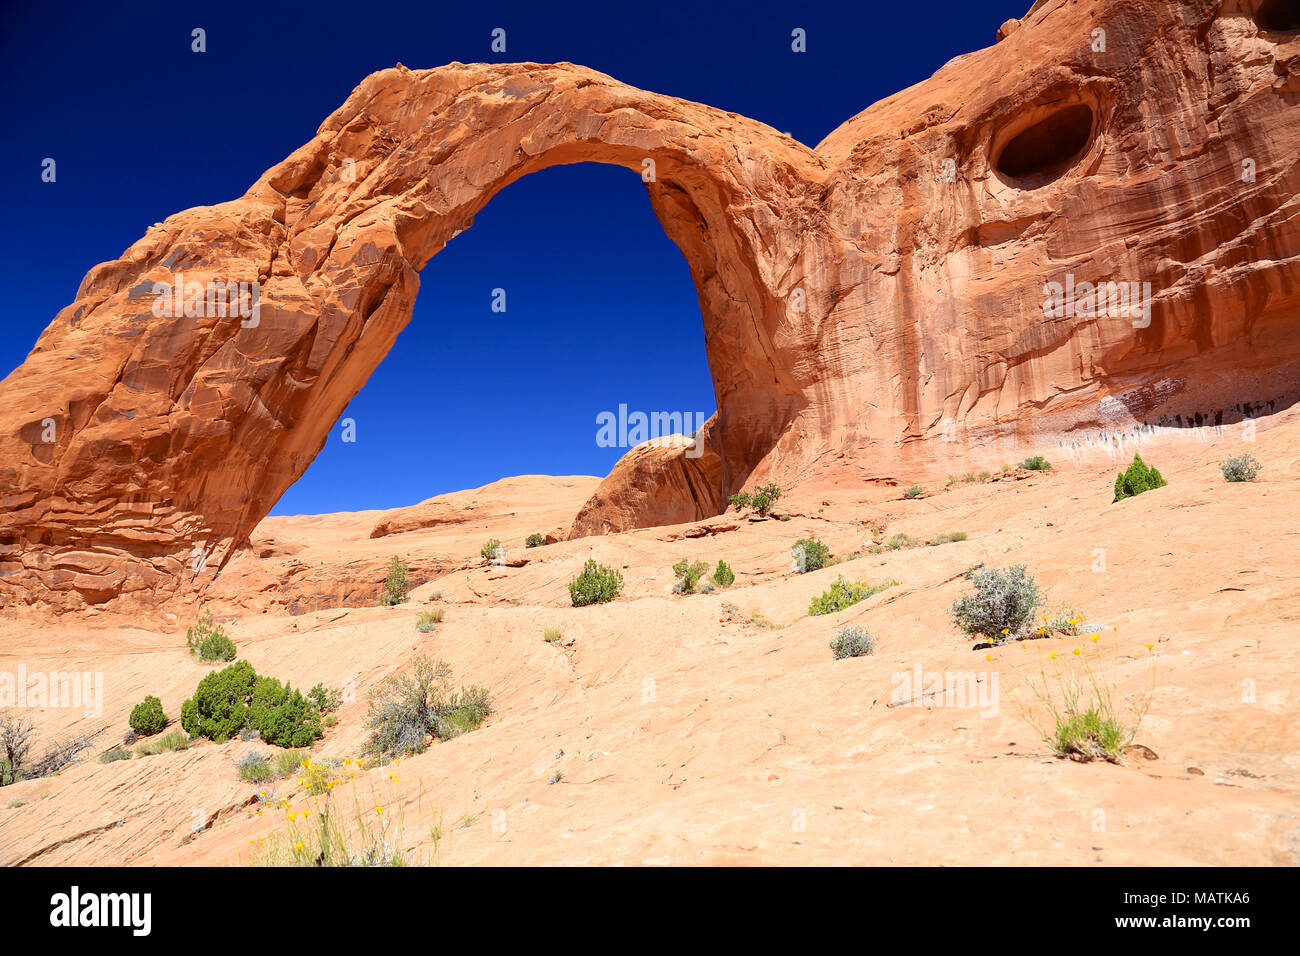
656,480
882,304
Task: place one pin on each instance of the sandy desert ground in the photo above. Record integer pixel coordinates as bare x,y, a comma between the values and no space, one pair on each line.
718,728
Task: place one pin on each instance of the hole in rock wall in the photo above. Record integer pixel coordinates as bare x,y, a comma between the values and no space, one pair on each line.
1047,149
1279,16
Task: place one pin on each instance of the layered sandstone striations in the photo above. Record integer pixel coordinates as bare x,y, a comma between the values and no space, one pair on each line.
872,306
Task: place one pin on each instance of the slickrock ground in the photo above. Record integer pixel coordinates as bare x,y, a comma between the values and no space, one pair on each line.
686,733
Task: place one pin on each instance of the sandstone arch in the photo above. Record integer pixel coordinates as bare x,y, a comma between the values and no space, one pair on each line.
924,336
178,435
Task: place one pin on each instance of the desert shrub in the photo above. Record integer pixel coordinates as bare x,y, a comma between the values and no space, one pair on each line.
914,492
1002,604
234,699
1090,733
429,620
249,733
469,707
267,694
200,629
552,634
217,647
740,501
208,641
282,715
219,707
147,717
723,576
707,588
1036,463
1064,620
326,699
902,540
1137,479
406,710
255,768
17,735
490,550
288,762
595,585
534,540
338,836
688,575
294,722
948,536
1077,713
112,756
130,737
396,587
167,743
844,594
765,497
810,555
853,642
1240,468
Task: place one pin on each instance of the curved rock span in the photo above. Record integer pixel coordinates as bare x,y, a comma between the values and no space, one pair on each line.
1091,226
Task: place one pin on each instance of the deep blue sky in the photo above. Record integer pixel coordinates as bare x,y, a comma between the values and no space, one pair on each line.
602,309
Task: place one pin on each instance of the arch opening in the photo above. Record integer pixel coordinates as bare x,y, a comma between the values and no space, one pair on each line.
562,301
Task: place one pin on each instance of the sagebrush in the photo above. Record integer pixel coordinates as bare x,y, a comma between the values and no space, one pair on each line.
407,710
1002,605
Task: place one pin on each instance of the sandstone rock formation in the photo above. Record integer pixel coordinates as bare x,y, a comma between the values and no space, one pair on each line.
875,305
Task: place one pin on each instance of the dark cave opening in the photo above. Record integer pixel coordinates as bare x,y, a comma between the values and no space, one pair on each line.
1279,16
1047,148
